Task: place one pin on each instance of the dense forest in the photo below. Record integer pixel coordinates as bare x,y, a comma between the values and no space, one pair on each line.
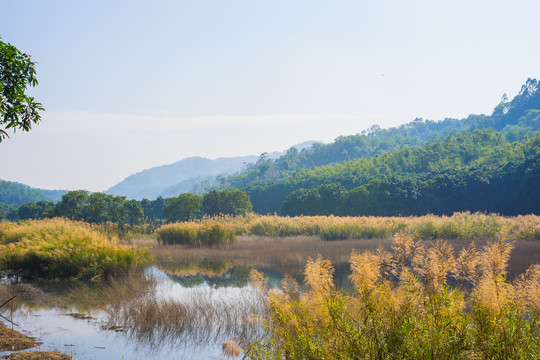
487,163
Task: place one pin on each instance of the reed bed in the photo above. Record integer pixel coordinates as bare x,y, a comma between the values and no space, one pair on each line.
61,248
458,226
413,302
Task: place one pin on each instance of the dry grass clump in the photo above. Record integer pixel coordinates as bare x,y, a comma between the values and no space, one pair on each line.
230,348
527,290
60,248
11,340
416,302
38,355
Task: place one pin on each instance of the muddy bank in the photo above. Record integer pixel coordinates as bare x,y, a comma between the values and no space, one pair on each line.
12,340
38,355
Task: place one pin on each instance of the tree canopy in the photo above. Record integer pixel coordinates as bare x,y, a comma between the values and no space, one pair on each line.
183,208
226,202
18,111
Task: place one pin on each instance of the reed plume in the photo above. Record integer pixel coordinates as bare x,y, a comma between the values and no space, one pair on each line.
527,289
230,348
466,264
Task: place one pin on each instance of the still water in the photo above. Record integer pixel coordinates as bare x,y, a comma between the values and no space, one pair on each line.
195,301
101,334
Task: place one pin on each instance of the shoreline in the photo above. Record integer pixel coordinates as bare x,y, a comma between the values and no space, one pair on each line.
13,341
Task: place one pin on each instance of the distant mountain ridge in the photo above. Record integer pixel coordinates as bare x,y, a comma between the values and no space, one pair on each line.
14,193
152,182
179,177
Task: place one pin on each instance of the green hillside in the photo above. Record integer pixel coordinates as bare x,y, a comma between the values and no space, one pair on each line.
14,193
515,119
480,151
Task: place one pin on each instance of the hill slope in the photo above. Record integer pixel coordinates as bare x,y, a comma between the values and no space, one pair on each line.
402,153
14,193
152,182
515,118
184,175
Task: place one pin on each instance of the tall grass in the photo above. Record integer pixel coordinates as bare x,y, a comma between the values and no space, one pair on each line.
460,225
196,233
60,248
415,302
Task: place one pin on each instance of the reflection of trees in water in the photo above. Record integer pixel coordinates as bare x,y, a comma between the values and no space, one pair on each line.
81,295
237,276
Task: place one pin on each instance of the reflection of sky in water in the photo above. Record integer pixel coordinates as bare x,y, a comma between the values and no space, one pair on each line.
86,339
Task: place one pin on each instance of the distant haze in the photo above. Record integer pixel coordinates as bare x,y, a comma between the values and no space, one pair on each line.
133,85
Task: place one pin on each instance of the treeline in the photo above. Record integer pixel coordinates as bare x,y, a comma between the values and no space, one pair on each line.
100,208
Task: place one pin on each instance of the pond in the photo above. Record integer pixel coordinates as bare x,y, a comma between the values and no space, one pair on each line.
186,306
150,317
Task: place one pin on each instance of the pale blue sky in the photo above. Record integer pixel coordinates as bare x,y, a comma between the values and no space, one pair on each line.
128,85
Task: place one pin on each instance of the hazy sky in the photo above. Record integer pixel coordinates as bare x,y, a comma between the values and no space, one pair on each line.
128,85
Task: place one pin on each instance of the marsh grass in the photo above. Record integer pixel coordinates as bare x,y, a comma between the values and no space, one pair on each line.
404,306
458,226
60,248
196,233
277,256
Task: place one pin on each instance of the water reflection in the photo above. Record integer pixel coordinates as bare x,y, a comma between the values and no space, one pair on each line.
150,316
236,276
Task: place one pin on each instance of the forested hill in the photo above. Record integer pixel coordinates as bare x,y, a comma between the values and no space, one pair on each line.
515,118
14,193
470,171
488,162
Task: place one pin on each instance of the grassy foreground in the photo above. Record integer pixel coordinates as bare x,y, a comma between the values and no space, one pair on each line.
220,230
60,248
414,302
